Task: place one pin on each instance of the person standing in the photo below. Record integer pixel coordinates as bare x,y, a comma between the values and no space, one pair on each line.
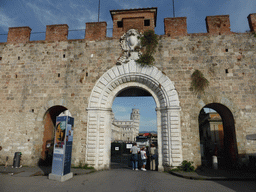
134,150
153,152
143,158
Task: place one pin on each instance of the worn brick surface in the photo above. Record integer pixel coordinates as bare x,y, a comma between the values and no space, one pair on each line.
96,31
175,26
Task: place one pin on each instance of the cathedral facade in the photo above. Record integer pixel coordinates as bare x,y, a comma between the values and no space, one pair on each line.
126,130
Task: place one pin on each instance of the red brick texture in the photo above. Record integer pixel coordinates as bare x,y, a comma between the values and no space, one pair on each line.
18,35
133,19
56,32
175,26
218,25
96,31
252,22
133,23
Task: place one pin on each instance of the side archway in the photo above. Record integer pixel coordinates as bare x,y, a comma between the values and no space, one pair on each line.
99,110
228,113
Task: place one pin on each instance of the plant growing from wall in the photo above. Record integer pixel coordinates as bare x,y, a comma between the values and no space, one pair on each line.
149,42
199,83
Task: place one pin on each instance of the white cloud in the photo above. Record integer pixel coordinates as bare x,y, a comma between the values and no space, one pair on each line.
46,16
6,22
118,109
75,15
128,5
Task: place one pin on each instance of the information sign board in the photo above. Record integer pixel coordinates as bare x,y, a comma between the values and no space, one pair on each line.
63,145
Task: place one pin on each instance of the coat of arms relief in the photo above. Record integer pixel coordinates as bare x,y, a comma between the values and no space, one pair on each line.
130,44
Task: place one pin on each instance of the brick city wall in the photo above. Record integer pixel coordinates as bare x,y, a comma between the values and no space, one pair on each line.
38,75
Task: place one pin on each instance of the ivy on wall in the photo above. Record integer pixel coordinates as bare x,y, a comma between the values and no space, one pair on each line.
199,83
149,42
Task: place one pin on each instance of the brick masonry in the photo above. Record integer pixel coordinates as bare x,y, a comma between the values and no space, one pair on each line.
38,75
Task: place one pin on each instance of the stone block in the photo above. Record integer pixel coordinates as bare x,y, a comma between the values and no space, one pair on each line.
60,178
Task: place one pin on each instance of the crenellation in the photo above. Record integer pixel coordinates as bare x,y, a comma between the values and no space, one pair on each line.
218,25
252,22
175,26
56,32
18,35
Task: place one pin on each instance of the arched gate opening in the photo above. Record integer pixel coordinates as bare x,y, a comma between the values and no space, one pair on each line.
99,110
133,115
48,138
219,142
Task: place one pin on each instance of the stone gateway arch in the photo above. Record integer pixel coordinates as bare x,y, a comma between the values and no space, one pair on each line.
132,75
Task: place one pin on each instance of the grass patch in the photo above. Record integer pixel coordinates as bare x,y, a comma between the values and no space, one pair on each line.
81,166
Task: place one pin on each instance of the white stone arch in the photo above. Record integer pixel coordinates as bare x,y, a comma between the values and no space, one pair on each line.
99,110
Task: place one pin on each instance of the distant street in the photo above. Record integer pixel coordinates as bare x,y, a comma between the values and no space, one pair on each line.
120,180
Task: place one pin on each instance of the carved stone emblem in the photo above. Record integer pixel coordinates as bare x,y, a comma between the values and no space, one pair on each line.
130,43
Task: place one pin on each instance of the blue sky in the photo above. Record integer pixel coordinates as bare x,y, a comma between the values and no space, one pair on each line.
122,108
38,13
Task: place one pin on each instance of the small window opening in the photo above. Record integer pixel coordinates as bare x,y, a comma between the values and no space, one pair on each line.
146,22
119,24
19,58
0,58
16,76
86,74
64,55
32,110
226,50
226,70
58,74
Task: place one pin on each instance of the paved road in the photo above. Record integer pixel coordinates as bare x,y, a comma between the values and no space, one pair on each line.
120,180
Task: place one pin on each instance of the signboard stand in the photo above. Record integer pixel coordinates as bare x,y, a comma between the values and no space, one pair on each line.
63,141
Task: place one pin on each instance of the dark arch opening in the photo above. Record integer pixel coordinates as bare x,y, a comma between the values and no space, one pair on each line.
48,138
133,92
227,157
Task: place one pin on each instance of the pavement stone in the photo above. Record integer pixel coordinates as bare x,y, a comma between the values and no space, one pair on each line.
222,175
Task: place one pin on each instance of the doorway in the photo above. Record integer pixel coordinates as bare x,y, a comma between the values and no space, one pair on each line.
48,138
217,136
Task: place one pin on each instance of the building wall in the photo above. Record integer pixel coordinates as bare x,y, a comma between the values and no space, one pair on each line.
36,75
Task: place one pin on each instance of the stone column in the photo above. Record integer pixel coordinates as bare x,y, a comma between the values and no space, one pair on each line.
98,138
159,140
174,136
171,136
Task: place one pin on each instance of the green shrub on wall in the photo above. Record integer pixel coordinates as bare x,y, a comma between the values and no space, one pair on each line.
149,42
199,83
